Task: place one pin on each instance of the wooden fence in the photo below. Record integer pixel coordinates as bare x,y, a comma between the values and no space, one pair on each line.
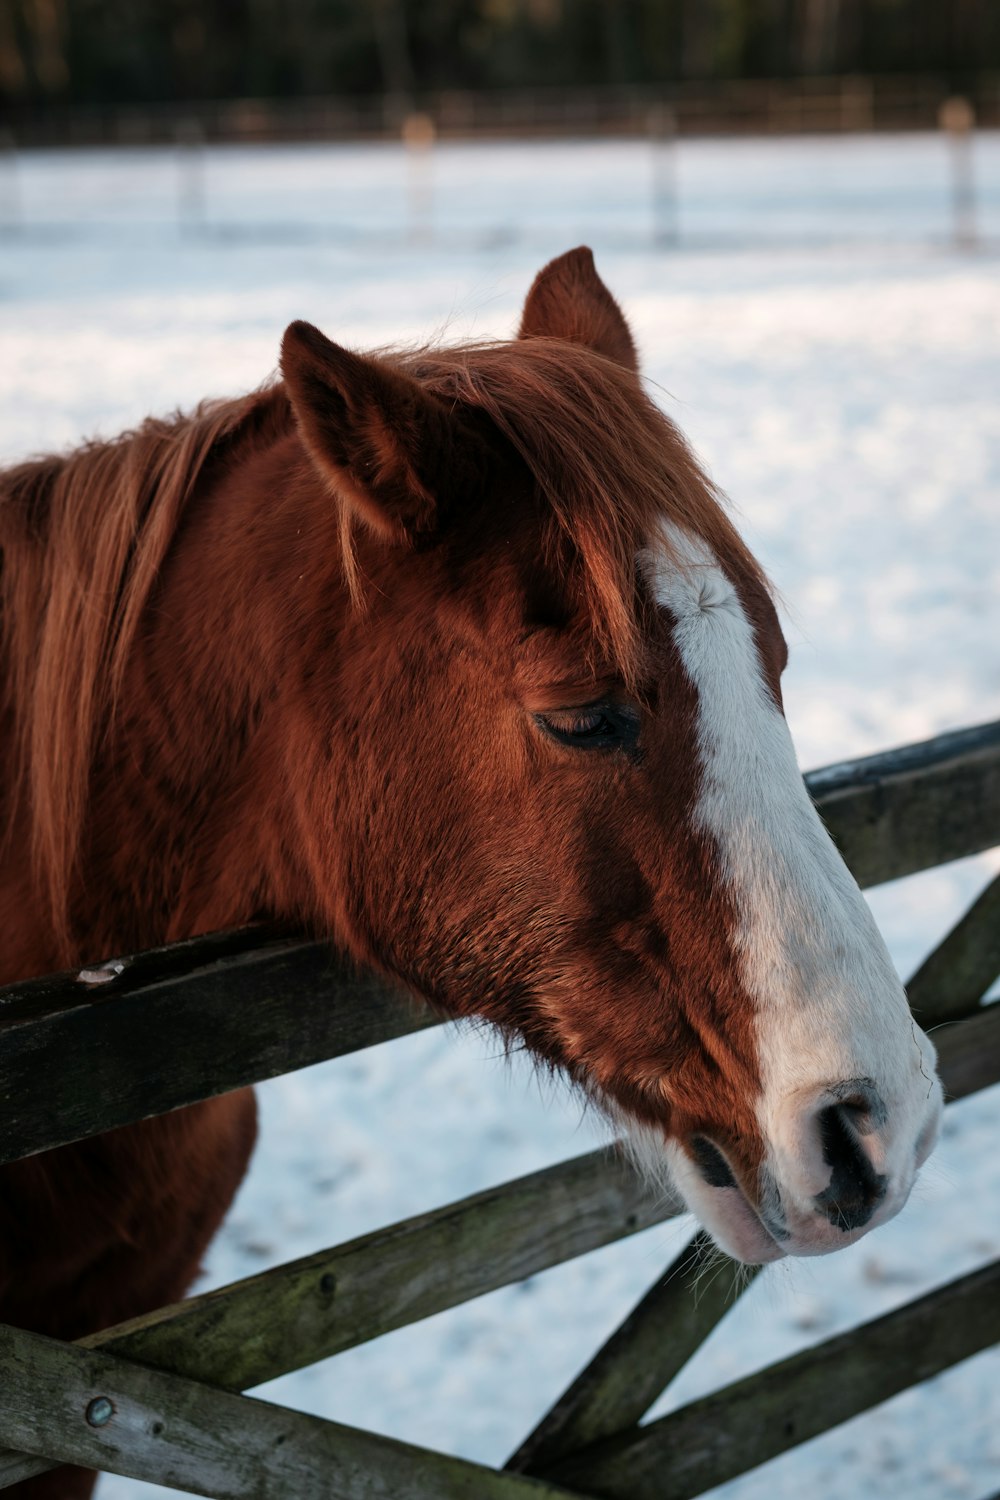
770,106
159,1398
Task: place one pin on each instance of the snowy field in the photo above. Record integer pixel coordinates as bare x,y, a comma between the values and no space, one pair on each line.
837,365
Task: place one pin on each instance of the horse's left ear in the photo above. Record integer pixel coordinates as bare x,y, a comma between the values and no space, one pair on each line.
568,300
386,445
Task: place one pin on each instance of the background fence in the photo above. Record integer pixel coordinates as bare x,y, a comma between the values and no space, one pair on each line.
665,191
750,106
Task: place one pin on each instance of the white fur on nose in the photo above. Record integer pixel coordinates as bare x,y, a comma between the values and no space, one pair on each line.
829,1006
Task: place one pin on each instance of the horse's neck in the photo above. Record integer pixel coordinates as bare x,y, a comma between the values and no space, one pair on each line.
191,807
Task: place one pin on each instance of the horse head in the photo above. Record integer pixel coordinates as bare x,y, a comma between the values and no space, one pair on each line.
556,787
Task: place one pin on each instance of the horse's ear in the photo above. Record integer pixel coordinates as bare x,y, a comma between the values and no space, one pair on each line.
382,441
568,300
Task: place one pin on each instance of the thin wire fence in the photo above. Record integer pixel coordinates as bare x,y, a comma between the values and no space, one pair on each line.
732,106
665,190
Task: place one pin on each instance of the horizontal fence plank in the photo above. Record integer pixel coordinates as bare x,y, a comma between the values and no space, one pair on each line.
175,1432
641,1357
261,1005
124,1051
905,810
255,1330
746,1424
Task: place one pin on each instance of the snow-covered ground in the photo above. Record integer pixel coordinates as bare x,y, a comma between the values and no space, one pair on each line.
837,364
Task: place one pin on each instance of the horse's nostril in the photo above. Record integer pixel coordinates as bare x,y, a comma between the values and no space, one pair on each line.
855,1189
711,1163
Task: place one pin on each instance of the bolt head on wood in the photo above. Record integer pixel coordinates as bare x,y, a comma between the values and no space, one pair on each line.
100,1411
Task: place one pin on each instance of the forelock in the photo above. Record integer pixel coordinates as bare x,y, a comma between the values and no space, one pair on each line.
609,465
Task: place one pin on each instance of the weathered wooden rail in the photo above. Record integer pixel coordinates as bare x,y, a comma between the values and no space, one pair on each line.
261,1003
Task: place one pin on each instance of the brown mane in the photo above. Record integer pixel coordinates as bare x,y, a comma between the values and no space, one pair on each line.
83,537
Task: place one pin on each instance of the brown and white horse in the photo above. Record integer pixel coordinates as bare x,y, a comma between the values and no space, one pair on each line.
454,657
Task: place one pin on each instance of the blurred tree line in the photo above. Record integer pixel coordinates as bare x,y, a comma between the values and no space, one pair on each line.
123,51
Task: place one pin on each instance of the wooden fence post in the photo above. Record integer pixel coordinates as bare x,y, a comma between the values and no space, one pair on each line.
957,119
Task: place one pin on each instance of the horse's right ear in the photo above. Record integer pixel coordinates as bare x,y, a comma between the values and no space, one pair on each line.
382,441
568,300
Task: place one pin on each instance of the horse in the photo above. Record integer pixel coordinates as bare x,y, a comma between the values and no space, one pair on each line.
455,657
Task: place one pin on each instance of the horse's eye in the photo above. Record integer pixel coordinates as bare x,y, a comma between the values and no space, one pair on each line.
595,726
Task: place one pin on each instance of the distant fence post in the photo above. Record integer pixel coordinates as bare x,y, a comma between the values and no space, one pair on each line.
661,125
190,175
857,104
10,195
419,134
958,118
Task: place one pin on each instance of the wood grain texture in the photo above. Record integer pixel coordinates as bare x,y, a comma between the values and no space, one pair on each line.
969,1053
175,1432
641,1357
262,1003
748,1423
306,1310
255,1330
951,982
905,810
181,1024
245,1334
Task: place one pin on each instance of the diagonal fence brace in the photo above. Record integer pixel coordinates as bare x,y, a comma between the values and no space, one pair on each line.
641,1357
733,1430
952,980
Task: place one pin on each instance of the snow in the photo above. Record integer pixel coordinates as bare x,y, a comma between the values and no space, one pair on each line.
836,362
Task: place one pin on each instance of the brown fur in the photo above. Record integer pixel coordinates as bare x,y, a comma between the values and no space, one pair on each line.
283,658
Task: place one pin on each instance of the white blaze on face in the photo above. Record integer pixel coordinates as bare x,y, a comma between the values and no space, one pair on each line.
829,1006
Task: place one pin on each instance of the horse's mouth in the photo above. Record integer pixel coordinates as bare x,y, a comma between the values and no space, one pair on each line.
739,1229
